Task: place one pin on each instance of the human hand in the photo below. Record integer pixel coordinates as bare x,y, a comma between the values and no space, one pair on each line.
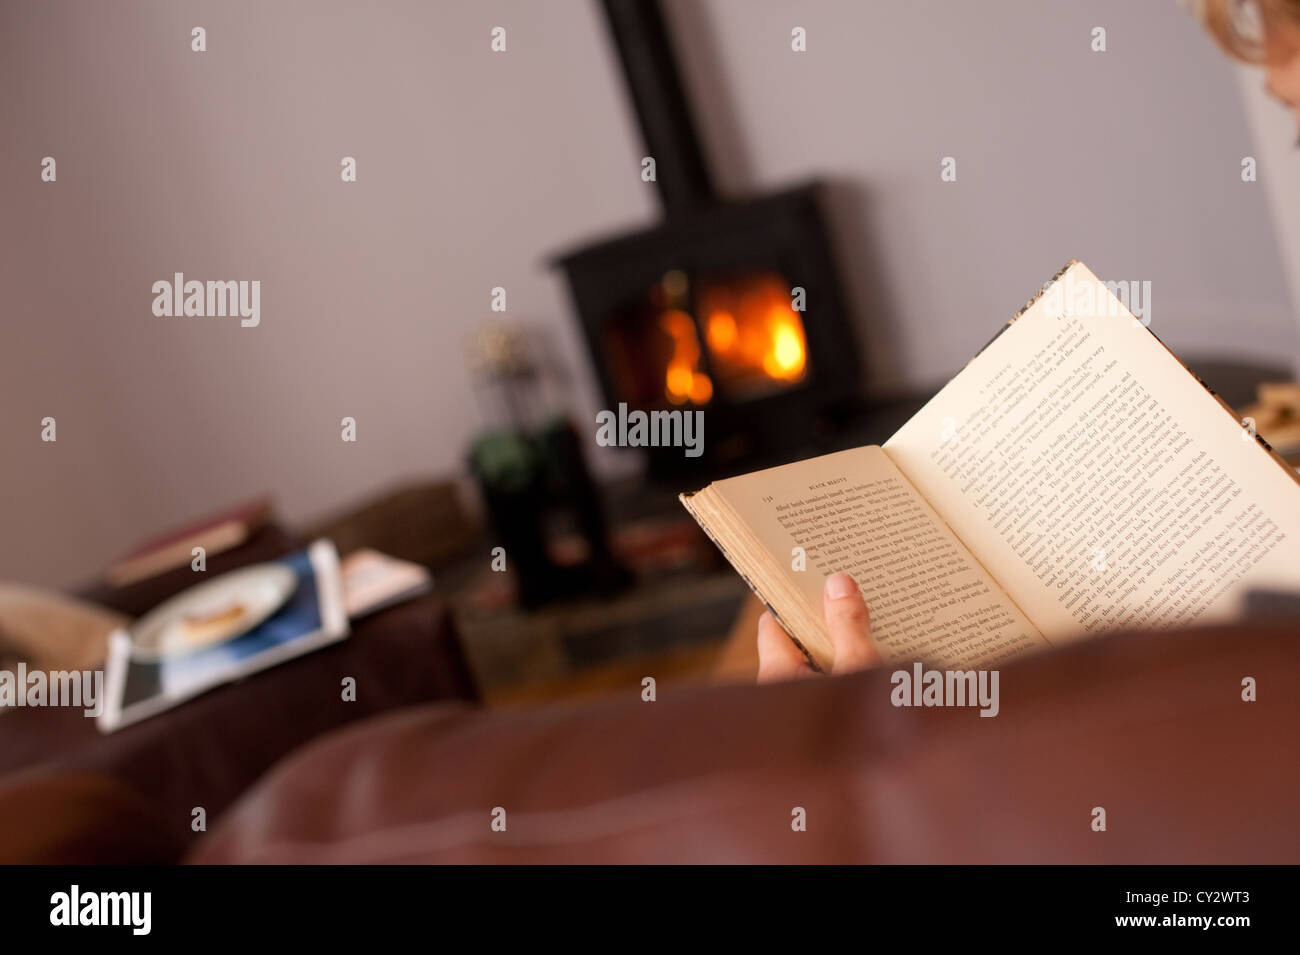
848,622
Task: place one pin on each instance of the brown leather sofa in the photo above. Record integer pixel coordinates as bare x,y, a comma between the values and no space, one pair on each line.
1153,729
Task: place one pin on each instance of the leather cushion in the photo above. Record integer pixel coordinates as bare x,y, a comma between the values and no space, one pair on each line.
1151,728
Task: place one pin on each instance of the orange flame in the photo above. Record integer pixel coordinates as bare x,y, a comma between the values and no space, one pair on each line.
753,333
755,329
684,381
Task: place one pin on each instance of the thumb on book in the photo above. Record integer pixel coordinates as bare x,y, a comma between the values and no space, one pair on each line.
848,622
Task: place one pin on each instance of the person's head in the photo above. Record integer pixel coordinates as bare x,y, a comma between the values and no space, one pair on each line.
1266,32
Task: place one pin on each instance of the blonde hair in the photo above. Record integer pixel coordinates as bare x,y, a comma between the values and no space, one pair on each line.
1241,26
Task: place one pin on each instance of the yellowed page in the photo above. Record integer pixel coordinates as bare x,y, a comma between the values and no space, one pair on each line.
854,511
1096,479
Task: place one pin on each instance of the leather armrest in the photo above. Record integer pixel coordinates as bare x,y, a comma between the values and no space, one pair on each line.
1152,728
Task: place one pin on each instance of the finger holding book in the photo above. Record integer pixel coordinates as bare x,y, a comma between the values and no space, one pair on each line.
847,620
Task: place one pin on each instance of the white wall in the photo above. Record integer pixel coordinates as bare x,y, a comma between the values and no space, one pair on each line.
474,167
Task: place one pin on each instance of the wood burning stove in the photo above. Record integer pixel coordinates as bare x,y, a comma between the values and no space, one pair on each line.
730,306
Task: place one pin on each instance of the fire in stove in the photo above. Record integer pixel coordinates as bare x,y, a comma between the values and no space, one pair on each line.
753,335
753,338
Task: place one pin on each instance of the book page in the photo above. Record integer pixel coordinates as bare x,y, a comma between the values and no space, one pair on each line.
1096,479
853,511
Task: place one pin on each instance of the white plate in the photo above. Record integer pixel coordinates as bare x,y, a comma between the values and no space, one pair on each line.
213,612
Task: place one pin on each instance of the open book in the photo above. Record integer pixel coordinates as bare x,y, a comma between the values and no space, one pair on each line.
1074,478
